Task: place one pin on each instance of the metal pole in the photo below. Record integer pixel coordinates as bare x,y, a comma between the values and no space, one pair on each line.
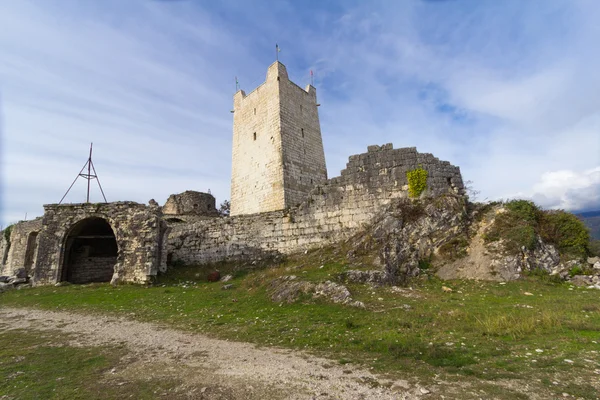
98,180
88,175
69,189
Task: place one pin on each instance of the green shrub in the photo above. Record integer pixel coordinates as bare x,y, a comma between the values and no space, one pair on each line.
523,221
543,276
567,232
424,265
435,354
516,226
594,247
522,236
417,181
7,232
575,270
455,248
524,210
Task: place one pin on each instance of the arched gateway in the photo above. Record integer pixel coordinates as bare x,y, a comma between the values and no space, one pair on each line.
90,252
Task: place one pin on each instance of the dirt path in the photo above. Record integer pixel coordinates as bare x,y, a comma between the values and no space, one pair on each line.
211,368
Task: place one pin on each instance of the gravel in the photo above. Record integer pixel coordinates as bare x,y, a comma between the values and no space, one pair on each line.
243,370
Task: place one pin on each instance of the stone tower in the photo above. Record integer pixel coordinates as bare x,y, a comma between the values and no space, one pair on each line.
278,152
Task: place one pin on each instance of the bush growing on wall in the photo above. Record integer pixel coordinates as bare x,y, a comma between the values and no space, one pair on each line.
417,181
7,232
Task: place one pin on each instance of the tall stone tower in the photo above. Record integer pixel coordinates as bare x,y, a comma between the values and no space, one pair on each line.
278,152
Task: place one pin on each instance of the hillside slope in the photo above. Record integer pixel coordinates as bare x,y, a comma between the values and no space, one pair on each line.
592,220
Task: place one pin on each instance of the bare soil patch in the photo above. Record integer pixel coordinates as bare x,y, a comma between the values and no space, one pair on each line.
211,368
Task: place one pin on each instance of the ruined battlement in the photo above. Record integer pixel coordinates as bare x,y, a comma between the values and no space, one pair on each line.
385,168
190,203
332,212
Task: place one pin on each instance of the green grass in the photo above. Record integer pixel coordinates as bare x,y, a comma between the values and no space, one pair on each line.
480,332
42,365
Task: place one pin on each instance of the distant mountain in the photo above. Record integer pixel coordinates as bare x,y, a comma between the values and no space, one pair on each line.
592,220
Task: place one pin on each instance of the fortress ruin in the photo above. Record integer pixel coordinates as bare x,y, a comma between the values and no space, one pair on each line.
281,202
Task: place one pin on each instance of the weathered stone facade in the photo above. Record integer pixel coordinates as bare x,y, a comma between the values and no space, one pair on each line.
333,211
190,203
118,242
278,152
23,247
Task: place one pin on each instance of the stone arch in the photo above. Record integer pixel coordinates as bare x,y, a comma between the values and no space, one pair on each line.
90,252
31,252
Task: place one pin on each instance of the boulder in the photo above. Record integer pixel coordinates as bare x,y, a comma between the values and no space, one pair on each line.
5,286
356,276
20,273
23,286
288,289
4,279
582,280
593,260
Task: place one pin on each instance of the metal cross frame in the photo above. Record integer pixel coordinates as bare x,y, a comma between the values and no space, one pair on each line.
89,176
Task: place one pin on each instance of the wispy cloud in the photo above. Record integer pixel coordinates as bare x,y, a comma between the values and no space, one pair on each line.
506,91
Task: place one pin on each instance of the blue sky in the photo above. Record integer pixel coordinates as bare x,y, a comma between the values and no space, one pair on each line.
508,91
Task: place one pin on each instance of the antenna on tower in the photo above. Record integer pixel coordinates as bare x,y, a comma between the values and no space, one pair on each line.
90,167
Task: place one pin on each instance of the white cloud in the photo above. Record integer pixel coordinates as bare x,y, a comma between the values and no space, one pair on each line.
506,91
568,190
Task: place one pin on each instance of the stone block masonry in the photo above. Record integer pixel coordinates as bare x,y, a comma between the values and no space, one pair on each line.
23,247
277,155
72,242
190,203
332,212
120,242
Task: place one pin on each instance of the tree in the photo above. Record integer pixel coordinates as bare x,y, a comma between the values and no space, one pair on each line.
472,194
225,208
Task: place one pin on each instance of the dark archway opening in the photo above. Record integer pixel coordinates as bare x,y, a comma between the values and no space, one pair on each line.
90,252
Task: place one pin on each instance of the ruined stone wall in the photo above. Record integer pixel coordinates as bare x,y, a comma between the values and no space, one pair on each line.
3,252
21,245
84,269
138,230
190,203
383,169
278,152
332,212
